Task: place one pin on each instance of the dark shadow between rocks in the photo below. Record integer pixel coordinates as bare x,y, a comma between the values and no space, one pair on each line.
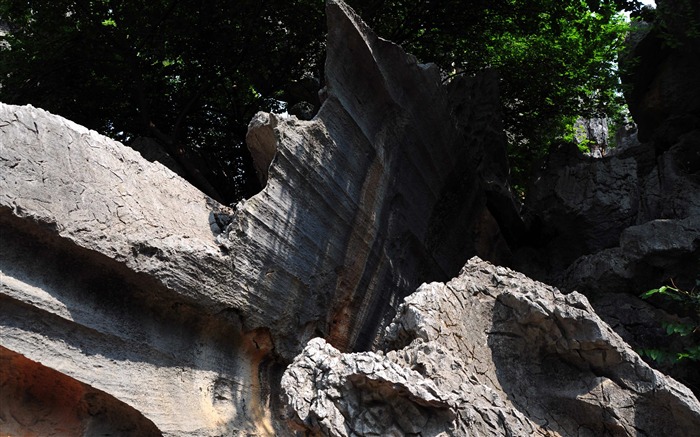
37,400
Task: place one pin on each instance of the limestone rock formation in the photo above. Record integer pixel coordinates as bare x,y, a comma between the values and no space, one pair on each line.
661,65
394,182
597,225
144,299
594,133
129,281
629,222
111,275
489,353
37,400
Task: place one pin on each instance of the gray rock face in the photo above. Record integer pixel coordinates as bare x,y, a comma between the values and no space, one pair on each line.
591,211
393,182
662,68
628,222
112,276
583,204
595,130
152,151
128,281
647,253
489,353
40,400
595,201
146,301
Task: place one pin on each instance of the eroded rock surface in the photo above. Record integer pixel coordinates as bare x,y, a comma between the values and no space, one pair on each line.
629,209
123,277
397,180
111,275
154,303
37,400
662,64
599,209
491,352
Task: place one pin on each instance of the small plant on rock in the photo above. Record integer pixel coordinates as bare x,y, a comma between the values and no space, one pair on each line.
689,301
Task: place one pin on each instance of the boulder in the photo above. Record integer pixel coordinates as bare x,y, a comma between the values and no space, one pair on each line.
581,209
491,352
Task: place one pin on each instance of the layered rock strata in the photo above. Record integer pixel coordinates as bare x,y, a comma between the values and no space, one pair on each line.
144,299
123,277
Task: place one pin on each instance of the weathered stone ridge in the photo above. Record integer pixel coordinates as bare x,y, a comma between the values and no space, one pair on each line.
344,246
123,277
489,353
145,300
111,275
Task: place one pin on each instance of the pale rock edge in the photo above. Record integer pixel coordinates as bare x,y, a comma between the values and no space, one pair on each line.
494,353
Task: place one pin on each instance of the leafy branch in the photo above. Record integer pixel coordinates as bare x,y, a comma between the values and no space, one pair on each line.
687,300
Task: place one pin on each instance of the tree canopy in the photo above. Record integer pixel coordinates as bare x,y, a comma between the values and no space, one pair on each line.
192,74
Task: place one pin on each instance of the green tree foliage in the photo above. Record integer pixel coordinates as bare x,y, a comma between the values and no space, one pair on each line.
688,302
192,74
556,59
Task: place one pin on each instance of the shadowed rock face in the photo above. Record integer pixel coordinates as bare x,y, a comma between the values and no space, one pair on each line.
661,71
591,212
129,282
394,182
37,400
628,222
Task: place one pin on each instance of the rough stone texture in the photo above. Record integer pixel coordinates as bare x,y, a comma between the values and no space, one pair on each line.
581,221
153,303
600,208
630,222
647,254
122,277
643,325
153,151
489,353
582,204
638,229
37,400
111,275
625,223
595,131
393,182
